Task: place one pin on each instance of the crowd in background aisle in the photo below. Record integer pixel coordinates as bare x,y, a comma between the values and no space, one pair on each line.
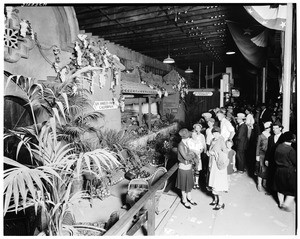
235,139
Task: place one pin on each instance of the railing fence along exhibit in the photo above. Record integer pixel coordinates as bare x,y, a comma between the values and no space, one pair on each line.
146,201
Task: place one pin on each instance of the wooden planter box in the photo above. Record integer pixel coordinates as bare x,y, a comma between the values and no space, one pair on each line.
142,141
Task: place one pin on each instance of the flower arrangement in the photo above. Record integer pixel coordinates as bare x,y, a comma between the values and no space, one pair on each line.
91,61
181,87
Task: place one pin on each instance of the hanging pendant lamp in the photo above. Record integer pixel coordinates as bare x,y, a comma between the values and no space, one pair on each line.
169,60
230,52
189,70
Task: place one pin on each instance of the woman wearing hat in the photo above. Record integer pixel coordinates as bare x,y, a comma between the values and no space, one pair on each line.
218,180
261,148
285,178
199,139
186,158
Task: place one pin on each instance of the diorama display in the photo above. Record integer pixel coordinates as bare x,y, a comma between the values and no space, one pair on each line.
58,156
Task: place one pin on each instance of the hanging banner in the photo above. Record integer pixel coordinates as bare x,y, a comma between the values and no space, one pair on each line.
271,16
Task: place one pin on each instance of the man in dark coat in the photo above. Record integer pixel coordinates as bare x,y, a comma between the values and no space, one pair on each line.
241,141
273,141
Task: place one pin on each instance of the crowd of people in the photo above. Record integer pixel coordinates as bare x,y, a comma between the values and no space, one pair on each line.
231,140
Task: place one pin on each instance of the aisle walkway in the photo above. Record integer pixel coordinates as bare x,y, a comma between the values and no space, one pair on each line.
247,212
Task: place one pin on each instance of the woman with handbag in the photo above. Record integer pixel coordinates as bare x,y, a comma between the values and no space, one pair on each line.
185,180
218,161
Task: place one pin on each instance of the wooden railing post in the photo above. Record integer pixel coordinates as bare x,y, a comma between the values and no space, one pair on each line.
121,227
151,217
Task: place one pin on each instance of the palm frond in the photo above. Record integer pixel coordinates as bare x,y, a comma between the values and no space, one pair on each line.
69,132
86,117
19,179
113,137
101,159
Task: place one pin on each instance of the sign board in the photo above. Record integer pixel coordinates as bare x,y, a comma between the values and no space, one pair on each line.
170,104
202,93
104,105
229,71
226,83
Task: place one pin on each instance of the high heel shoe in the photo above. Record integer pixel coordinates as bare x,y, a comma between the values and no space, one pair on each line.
213,203
218,207
186,205
192,202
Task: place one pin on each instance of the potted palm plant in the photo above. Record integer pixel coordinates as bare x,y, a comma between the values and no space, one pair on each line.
46,184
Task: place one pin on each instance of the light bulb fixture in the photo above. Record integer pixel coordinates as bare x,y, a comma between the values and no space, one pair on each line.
189,70
230,52
169,60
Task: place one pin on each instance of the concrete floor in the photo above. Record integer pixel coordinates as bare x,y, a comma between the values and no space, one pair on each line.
247,212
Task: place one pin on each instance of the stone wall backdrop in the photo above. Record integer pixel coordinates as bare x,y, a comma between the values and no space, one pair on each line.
57,28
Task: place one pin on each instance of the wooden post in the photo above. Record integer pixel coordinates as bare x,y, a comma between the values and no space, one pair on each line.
149,112
221,93
140,111
199,75
263,100
151,217
212,74
266,86
287,59
206,76
256,89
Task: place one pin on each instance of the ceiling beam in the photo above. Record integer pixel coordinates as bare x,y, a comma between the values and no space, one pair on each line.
91,22
139,13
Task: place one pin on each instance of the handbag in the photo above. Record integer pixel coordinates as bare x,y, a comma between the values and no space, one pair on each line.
222,160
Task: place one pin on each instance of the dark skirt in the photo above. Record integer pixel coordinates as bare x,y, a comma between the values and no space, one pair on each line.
261,170
285,181
185,180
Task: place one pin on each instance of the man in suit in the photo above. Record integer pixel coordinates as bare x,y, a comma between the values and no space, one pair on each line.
273,142
241,141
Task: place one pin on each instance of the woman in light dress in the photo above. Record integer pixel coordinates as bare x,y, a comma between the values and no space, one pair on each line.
218,180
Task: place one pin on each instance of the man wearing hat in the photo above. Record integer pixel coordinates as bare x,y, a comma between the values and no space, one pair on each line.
207,115
241,141
269,158
227,129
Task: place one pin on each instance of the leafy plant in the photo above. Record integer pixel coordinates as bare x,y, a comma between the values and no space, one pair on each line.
170,117
113,138
46,184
